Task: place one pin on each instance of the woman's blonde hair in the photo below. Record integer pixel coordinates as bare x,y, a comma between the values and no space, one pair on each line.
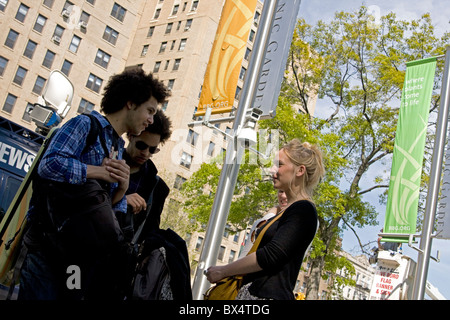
309,156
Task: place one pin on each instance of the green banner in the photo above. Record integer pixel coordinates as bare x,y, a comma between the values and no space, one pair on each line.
403,195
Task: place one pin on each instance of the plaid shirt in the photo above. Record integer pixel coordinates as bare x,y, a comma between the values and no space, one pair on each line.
63,160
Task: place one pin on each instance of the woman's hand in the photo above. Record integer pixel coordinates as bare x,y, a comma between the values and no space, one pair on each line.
215,273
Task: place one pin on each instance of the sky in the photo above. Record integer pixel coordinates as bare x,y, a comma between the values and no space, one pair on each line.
314,10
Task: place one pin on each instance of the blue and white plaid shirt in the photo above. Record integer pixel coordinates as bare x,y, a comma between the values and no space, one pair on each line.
63,160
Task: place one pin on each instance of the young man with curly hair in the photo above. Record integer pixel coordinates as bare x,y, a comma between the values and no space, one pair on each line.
129,103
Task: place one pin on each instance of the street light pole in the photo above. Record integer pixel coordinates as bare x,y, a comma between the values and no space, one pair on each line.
434,185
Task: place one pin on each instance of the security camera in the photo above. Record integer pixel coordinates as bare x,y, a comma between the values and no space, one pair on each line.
247,137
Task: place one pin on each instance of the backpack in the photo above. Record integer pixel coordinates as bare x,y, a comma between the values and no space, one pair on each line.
78,220
152,279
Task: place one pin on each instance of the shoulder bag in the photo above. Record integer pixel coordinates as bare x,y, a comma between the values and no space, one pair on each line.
228,288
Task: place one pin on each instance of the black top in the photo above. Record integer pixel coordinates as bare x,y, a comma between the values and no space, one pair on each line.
281,252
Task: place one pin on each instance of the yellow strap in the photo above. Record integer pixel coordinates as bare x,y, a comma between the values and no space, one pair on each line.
261,234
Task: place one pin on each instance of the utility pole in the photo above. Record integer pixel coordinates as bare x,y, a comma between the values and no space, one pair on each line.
434,185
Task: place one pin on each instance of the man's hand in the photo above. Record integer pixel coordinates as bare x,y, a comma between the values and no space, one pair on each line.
136,202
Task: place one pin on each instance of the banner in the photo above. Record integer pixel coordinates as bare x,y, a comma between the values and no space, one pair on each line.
403,194
443,210
276,54
225,62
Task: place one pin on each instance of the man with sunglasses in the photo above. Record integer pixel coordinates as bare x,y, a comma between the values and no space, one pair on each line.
143,174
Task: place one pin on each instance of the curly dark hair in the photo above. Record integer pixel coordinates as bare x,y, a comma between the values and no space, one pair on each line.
132,85
161,125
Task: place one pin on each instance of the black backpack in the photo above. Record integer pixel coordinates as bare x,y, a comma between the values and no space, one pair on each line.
78,219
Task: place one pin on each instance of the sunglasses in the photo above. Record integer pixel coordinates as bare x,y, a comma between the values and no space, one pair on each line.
141,145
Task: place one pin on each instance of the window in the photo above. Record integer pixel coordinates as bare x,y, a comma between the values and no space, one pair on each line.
188,25
236,94
85,106
94,83
178,25
247,54
9,103
172,45
242,73
192,137
102,58
175,9
169,28
179,180
163,47
251,36
194,5
170,84
199,243
3,4
256,18
176,65
144,50
157,66
186,160
39,85
67,9
49,3
84,20
211,147
157,13
91,2
22,12
221,253
110,35
74,44
182,44
20,75
29,49
57,34
118,12
11,39
3,64
166,65
232,255
40,23
66,67
48,59
150,32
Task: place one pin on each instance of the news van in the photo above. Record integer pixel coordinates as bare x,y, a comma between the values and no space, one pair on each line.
20,150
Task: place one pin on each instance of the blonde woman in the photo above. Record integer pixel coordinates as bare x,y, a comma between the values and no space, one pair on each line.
271,271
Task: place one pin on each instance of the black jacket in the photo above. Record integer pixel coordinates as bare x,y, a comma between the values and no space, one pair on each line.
281,252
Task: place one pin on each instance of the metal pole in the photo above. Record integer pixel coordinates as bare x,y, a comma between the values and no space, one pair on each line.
230,170
433,188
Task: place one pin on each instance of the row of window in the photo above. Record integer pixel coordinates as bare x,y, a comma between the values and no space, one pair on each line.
10,102
175,8
221,257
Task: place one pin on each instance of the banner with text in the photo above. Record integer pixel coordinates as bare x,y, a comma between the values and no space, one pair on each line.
275,57
443,210
406,171
225,61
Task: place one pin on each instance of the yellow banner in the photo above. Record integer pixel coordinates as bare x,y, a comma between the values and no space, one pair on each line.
225,61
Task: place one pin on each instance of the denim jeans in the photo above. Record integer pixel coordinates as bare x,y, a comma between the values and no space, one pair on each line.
44,279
